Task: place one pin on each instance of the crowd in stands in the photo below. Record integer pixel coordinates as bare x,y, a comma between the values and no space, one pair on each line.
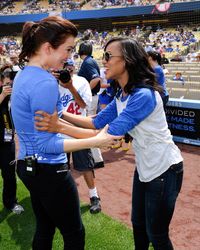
9,46
175,43
7,7
100,4
36,6
3,4
178,44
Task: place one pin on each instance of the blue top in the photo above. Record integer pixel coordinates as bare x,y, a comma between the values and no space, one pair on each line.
160,77
141,104
90,70
178,79
35,89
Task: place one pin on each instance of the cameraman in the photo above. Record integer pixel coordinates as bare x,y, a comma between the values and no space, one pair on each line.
7,145
75,96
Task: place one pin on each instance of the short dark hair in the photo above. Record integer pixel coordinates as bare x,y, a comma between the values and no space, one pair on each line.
52,29
8,72
85,48
155,56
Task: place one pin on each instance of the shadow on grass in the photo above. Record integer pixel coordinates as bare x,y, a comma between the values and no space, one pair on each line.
4,214
22,226
84,208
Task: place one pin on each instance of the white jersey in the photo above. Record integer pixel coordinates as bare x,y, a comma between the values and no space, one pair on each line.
103,80
154,148
83,88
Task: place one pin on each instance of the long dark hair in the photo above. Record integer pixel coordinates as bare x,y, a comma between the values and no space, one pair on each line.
52,29
139,70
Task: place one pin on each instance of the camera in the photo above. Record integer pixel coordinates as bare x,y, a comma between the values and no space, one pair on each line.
64,75
8,84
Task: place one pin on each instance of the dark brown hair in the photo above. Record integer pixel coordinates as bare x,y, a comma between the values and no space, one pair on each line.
52,29
139,70
155,56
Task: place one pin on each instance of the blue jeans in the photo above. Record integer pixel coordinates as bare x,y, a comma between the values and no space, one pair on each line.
153,205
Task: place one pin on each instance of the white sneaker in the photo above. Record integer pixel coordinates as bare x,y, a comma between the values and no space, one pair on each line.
17,209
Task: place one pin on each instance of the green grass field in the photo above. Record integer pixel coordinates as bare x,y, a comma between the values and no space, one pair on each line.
102,232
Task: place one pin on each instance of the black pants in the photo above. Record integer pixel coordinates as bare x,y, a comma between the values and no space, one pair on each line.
55,203
7,156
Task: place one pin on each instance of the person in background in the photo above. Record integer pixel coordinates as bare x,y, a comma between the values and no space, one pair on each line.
107,95
7,143
155,62
42,161
90,71
138,110
76,96
14,59
177,58
178,77
164,60
165,70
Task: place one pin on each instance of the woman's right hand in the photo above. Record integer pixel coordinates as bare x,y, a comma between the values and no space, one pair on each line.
7,90
103,139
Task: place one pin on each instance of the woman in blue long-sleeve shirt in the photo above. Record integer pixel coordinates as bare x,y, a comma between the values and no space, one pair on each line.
42,162
138,110
155,62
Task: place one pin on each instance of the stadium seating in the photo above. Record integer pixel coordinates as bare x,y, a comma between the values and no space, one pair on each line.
193,94
178,92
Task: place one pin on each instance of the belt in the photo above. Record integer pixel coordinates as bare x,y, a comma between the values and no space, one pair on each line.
61,167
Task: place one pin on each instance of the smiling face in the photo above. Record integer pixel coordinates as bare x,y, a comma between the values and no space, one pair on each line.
115,64
58,56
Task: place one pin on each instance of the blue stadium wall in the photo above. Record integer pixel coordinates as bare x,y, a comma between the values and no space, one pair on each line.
118,17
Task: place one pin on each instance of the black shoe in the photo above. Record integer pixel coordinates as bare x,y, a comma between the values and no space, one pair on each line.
95,205
99,164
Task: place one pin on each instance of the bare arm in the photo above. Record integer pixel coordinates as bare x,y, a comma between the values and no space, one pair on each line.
80,121
73,131
78,99
94,82
103,139
105,85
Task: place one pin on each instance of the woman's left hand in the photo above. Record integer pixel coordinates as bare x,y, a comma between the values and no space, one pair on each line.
47,122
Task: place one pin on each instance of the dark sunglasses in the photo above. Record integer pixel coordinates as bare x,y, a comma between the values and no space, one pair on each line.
107,56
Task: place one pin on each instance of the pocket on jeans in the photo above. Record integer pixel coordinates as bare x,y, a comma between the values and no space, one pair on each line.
155,188
177,168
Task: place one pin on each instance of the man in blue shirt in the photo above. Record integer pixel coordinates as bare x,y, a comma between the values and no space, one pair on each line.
90,70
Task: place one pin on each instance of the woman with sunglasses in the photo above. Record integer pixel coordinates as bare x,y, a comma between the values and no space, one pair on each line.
42,161
138,110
